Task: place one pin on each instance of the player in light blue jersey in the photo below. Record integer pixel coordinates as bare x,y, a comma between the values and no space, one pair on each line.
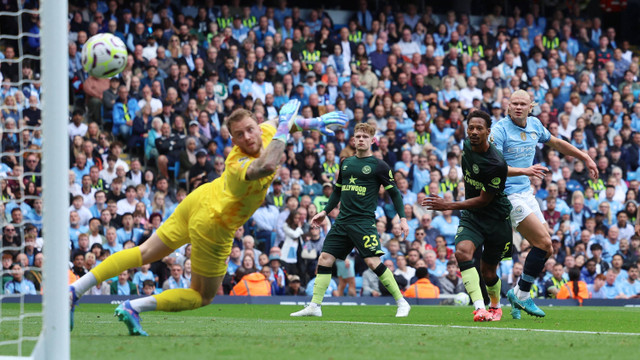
517,136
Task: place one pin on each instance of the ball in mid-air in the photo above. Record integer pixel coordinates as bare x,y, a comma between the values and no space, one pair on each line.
104,56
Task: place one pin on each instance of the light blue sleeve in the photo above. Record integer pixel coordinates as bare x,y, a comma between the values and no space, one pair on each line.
497,136
543,134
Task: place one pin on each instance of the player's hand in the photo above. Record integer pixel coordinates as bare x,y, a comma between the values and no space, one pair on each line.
593,169
288,112
434,202
326,123
405,227
536,170
318,219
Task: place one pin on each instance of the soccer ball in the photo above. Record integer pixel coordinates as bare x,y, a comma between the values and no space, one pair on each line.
461,299
104,56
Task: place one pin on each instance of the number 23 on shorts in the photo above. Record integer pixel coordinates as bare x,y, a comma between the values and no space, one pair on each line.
370,241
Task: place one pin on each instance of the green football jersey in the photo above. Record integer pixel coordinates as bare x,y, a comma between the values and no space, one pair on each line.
488,172
359,181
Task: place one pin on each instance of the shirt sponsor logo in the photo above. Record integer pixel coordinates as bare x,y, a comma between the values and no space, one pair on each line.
495,182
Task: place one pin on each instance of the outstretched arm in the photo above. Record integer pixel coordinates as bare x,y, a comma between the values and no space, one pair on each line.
434,202
567,149
268,162
536,170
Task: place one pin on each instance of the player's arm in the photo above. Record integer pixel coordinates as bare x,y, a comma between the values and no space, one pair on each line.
567,149
385,178
536,170
334,200
434,202
268,162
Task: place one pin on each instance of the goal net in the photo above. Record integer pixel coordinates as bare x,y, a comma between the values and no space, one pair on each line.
34,165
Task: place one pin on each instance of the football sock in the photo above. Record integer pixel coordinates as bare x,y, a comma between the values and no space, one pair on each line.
147,303
116,263
85,283
323,279
471,281
110,267
493,289
178,300
386,278
532,268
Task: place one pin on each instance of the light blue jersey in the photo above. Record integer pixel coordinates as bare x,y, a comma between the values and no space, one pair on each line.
518,146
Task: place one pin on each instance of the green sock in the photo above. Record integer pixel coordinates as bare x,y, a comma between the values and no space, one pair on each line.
471,281
320,287
390,283
494,293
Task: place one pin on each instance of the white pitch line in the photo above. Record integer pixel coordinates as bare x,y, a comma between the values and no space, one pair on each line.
459,327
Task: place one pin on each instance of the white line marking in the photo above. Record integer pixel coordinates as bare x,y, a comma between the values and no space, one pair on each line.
342,322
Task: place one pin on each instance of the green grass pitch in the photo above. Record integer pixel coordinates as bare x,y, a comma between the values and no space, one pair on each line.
347,332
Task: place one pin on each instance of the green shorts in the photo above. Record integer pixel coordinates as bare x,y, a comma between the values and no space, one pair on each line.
495,235
343,237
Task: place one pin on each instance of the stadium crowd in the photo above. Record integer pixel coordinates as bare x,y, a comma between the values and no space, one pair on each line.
141,141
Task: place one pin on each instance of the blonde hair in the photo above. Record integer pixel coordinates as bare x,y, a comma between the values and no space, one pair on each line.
524,93
366,128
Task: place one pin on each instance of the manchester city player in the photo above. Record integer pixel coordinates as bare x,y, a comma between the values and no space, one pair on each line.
516,136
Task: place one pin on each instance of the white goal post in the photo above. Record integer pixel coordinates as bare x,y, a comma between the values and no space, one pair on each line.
53,341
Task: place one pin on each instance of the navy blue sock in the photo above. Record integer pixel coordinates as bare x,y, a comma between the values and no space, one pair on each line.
532,268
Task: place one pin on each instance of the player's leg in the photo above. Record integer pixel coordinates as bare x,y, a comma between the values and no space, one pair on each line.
321,283
535,232
471,278
493,284
364,237
151,250
498,246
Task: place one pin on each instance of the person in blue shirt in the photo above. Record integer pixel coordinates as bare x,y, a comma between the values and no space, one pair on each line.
19,285
112,243
242,81
561,86
517,137
127,232
440,136
141,276
611,288
630,288
447,225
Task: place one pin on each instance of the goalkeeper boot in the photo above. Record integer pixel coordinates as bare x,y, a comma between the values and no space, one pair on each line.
131,318
73,301
482,315
527,305
312,309
496,313
403,308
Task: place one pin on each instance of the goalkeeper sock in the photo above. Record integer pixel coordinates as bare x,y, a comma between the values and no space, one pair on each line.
110,267
117,263
471,281
389,282
148,303
178,300
493,289
323,279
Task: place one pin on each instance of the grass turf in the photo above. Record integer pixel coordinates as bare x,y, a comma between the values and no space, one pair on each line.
346,332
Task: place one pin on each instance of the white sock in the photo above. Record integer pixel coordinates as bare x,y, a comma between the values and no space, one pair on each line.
401,301
496,306
312,304
147,303
479,304
522,295
85,283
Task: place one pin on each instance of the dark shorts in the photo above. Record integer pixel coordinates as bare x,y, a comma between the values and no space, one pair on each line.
495,235
342,238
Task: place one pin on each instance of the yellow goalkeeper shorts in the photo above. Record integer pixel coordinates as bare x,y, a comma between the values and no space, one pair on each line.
192,223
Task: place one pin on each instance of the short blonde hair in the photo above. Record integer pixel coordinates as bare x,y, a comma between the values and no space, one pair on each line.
366,128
